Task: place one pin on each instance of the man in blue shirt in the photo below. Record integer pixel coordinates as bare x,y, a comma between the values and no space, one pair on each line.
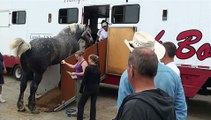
166,79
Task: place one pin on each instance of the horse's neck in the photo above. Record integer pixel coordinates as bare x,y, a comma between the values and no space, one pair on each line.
69,44
67,37
61,38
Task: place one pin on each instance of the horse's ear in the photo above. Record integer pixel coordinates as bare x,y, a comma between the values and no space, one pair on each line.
86,26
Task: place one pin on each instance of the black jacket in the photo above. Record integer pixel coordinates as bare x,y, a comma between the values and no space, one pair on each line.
1,64
91,80
147,105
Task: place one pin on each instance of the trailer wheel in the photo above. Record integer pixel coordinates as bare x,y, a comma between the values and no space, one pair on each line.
18,72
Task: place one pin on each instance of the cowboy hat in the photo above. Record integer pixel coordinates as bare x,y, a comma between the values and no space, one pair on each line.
142,39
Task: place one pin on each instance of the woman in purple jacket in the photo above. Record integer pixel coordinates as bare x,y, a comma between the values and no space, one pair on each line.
79,67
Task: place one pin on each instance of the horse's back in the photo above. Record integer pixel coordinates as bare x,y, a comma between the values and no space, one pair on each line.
39,56
47,51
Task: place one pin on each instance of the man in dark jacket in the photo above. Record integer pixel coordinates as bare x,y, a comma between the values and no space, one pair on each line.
147,103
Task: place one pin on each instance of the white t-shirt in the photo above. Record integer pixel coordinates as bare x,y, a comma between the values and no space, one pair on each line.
99,31
103,35
174,67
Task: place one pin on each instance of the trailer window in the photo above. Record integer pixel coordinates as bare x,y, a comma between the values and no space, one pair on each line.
125,14
49,18
164,16
18,17
67,16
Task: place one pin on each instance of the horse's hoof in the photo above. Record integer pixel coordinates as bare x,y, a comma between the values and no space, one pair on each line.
35,111
23,109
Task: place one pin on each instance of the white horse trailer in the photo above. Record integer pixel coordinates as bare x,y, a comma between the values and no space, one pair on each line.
184,22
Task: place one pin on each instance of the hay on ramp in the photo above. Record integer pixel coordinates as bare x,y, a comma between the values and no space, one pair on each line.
49,100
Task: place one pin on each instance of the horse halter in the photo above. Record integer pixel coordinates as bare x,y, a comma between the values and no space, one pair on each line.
86,32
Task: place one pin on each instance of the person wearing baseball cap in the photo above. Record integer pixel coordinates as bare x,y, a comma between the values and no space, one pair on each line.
166,79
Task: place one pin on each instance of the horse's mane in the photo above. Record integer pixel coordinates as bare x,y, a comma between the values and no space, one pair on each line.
72,28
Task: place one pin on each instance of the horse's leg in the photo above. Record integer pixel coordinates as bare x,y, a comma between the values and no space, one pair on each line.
33,88
23,85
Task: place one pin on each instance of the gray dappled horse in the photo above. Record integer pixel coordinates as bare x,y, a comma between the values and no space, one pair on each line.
40,53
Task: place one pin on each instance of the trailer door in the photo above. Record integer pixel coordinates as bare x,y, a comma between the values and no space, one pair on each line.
124,21
6,21
4,31
117,51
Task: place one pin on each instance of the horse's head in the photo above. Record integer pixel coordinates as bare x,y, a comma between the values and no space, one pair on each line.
87,35
79,32
85,38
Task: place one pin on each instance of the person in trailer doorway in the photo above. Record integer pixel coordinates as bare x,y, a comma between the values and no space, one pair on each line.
90,87
80,67
166,79
102,33
168,58
3,71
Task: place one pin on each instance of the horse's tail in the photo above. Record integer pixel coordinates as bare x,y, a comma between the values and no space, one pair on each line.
20,46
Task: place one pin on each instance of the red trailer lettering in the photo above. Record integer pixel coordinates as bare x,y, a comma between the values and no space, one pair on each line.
191,37
160,35
188,38
204,51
